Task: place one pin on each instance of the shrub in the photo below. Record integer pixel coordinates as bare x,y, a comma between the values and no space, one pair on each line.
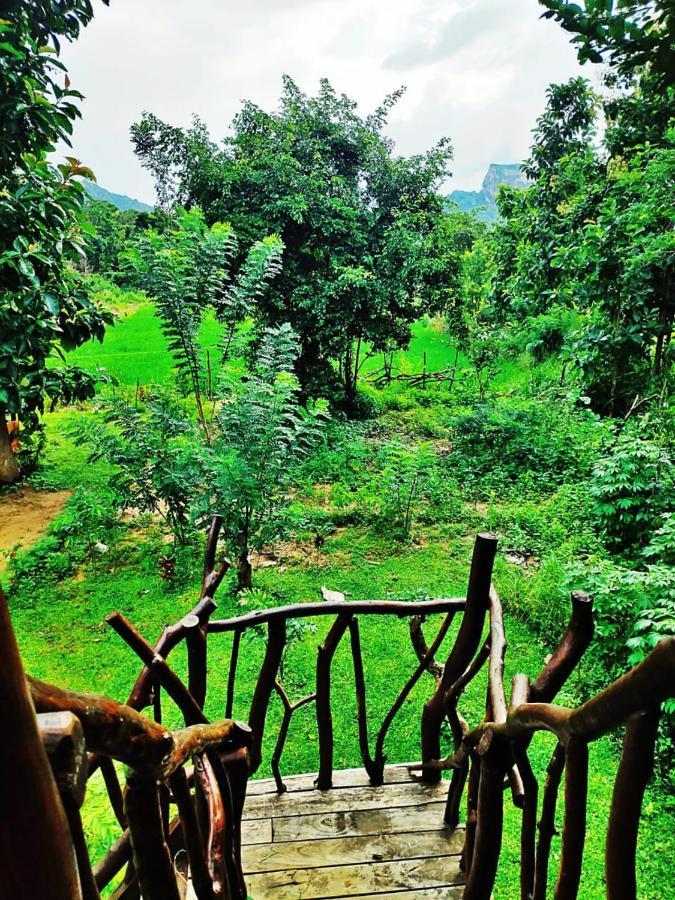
632,486
497,448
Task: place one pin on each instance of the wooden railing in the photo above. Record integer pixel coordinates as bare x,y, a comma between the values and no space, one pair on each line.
488,759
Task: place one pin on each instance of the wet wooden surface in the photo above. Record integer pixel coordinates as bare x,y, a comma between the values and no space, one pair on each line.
351,841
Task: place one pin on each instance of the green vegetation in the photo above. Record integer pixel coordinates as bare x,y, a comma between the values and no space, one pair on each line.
358,379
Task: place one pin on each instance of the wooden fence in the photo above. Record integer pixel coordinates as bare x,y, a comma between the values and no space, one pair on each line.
487,757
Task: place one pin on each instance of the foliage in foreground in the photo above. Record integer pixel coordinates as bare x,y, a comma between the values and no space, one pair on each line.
44,307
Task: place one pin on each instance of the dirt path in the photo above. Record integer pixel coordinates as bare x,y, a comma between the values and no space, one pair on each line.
25,516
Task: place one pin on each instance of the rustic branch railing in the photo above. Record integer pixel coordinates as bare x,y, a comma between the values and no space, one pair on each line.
492,756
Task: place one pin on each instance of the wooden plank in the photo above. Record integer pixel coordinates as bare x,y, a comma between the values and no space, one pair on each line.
257,831
439,893
424,817
354,881
342,778
351,851
344,800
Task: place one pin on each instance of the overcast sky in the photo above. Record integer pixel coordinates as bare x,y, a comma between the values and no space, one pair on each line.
475,70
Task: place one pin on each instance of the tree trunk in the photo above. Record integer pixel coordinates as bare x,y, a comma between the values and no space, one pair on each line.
9,467
244,572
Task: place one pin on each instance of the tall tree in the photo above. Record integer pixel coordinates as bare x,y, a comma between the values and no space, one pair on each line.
43,306
358,223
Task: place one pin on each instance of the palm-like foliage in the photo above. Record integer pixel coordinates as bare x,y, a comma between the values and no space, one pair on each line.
262,433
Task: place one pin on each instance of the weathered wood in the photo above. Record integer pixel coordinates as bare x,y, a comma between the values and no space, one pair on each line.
34,836
109,727
362,822
257,831
195,638
158,666
635,770
528,829
342,778
324,717
438,893
355,607
194,847
442,871
465,647
63,739
546,825
427,659
574,824
490,814
471,814
214,840
276,642
307,802
374,770
341,851
150,852
569,651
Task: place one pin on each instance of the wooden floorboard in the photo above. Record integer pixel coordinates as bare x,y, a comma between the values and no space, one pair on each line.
424,817
355,840
355,880
305,803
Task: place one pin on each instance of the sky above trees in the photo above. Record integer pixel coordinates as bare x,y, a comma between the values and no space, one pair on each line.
475,70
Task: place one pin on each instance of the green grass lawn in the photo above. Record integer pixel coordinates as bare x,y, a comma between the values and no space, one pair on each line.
61,631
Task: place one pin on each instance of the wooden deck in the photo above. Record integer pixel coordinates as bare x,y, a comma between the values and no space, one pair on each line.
352,841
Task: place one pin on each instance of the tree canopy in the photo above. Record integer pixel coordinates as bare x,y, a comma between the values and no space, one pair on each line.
43,305
360,226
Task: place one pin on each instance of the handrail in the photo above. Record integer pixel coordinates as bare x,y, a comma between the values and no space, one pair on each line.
491,755
401,608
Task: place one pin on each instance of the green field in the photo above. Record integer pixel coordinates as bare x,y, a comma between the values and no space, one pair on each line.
64,591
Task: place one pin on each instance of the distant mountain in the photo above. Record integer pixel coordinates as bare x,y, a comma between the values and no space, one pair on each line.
121,201
484,199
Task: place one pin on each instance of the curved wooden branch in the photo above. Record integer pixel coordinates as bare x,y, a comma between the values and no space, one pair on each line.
289,709
141,693
372,769
324,718
547,830
574,825
305,610
109,727
571,648
468,639
216,850
425,662
276,642
635,770
150,852
158,667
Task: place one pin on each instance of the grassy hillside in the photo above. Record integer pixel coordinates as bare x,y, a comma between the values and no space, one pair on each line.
64,587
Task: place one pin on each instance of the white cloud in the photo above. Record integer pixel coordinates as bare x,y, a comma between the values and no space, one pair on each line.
476,70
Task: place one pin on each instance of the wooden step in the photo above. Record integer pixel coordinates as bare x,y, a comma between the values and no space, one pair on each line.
355,840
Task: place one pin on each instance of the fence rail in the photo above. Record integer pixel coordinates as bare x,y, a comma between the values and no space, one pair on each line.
489,761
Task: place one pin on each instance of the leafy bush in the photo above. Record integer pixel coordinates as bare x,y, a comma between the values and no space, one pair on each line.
632,486
260,434
495,448
152,445
405,479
